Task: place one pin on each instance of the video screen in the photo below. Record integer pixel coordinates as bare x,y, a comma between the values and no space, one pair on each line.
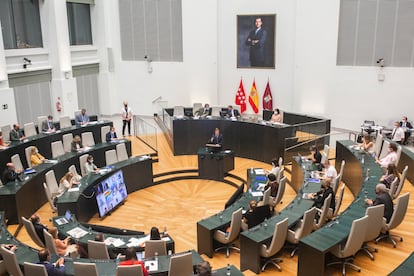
110,193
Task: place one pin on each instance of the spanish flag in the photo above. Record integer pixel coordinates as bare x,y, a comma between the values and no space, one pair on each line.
254,98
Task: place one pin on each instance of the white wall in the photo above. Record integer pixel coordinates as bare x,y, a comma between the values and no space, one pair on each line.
179,83
347,95
280,78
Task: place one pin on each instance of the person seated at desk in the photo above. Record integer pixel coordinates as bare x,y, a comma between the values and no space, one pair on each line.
406,126
390,175
16,134
204,269
275,167
248,215
64,247
35,219
155,234
391,157
36,158
330,172
90,166
276,116
272,184
232,113
111,135
383,197
82,118
217,137
397,134
10,174
367,143
131,259
320,196
47,125
315,157
3,144
203,112
67,182
76,143
55,269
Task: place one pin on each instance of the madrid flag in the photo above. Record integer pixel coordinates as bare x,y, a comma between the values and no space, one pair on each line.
241,97
267,98
254,98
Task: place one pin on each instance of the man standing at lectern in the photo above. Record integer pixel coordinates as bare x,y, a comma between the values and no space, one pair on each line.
217,137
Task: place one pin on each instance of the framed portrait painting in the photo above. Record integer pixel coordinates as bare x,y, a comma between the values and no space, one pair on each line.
256,41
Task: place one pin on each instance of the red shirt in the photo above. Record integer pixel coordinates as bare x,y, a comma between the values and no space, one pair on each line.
135,262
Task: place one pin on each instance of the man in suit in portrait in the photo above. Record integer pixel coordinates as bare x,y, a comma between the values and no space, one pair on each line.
82,118
111,135
256,41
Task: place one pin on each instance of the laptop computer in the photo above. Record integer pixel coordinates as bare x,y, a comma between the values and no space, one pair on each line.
65,219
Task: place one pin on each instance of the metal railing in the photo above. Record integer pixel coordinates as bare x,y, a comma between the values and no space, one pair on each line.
146,132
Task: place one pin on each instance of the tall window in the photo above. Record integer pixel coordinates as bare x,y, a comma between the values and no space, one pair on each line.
79,21
20,22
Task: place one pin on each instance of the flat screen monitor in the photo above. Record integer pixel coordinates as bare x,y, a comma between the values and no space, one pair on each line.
110,193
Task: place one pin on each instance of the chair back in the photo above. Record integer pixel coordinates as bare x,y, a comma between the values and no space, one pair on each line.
82,161
215,111
10,261
356,237
104,131
17,162
87,139
110,157
40,120
235,224
64,122
50,242
181,264
29,129
280,174
326,150
51,182
307,224
278,240
338,202
341,173
28,225
393,187
384,149
375,221
67,142
73,170
280,161
378,145
153,246
196,107
266,197
324,157
129,270
49,197
280,191
82,269
178,111
5,131
401,184
28,154
399,211
399,149
34,269
57,149
336,183
97,250
121,152
324,212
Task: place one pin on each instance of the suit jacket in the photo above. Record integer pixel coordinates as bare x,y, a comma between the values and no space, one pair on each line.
319,201
15,135
385,199
9,176
256,49
407,125
79,119
217,139
52,270
235,113
108,136
39,231
45,126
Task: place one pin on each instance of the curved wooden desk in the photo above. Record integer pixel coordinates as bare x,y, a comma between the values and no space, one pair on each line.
19,199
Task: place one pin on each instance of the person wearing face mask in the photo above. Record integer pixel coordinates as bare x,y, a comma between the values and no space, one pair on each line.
111,135
16,134
126,118
391,157
276,117
383,197
36,158
90,166
397,134
47,125
406,126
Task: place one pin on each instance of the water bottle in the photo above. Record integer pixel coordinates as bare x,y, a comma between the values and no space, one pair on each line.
156,256
228,271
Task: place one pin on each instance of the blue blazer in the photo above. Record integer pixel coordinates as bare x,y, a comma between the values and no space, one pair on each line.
52,270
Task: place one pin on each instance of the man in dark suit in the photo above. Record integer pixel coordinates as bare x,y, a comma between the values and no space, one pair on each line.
406,126
382,198
35,219
82,118
47,125
232,113
55,269
16,134
10,174
111,135
256,41
217,137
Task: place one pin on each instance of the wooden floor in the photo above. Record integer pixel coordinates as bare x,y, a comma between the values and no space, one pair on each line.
178,205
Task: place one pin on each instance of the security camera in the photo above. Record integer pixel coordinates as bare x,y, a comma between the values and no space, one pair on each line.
27,60
148,58
381,62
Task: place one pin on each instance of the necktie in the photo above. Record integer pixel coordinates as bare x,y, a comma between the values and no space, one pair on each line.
393,133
